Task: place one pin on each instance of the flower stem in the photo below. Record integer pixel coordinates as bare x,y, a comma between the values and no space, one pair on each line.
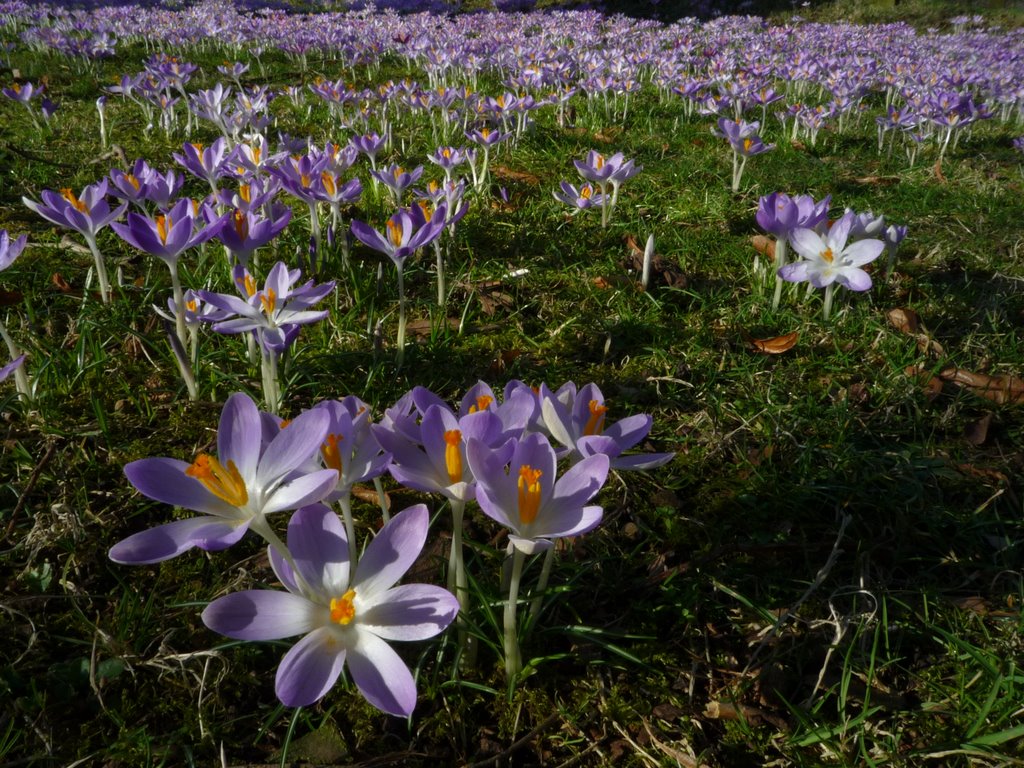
829,290
400,355
780,262
440,273
513,661
459,584
101,269
21,381
345,503
542,583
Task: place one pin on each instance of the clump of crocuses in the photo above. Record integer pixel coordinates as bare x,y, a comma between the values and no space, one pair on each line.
604,176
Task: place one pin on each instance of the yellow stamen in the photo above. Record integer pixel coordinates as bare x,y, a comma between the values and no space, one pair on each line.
595,423
328,182
432,187
599,163
330,453
68,195
163,226
342,608
747,143
245,192
269,300
483,402
394,234
529,494
249,286
133,181
191,305
223,482
198,148
304,178
586,191
452,455
241,224
827,255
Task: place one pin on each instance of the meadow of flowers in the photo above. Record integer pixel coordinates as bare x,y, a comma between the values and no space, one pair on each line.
489,388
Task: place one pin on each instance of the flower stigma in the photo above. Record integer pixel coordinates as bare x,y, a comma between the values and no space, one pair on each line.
342,608
529,493
595,424
452,455
225,483
330,453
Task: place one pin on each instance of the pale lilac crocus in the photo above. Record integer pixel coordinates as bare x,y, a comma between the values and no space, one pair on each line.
347,614
525,495
408,230
745,142
235,490
577,420
829,260
86,213
779,215
9,251
582,198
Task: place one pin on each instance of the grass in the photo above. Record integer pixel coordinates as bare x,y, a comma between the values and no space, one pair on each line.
827,574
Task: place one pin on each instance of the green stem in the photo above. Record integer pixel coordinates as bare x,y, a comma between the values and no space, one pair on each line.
400,355
101,269
345,502
542,583
780,262
513,660
829,291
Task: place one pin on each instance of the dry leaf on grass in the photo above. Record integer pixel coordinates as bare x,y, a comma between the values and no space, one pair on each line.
776,345
662,270
878,181
502,173
1003,388
976,433
369,495
909,322
764,245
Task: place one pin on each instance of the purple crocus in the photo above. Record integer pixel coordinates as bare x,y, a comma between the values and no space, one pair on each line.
235,491
524,493
745,142
11,367
397,179
582,198
577,421
242,232
204,162
829,260
779,215
9,251
347,615
87,214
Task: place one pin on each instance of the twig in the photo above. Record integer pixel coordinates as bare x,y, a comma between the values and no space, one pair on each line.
29,486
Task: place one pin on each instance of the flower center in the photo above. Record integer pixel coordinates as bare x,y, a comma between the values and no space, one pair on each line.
394,234
245,192
586,191
163,226
342,608
747,144
595,424
249,285
225,483
483,402
529,493
241,222
452,455
133,181
269,300
599,161
68,195
827,255
330,453
328,182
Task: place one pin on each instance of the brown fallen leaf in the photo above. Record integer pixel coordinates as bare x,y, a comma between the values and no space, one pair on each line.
10,298
938,170
932,385
904,320
976,433
764,245
502,173
369,495
424,327
1003,389
776,345
981,472
668,272
878,181
60,283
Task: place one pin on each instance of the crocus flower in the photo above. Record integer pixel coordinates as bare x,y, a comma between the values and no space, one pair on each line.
745,143
397,179
577,421
347,615
583,198
829,260
206,163
87,214
235,490
779,215
242,232
9,251
11,367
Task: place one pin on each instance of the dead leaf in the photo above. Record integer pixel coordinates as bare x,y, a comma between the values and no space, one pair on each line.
60,283
878,181
608,135
423,328
502,173
776,345
938,170
977,431
600,282
974,604
492,301
764,245
1003,389
932,385
981,472
369,495
668,272
10,298
904,320
504,359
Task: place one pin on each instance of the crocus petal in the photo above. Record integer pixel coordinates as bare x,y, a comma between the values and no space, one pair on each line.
570,522
170,540
382,676
262,615
301,491
855,279
293,447
582,481
807,243
316,539
310,669
863,252
163,479
238,436
795,272
629,431
391,552
410,612
641,461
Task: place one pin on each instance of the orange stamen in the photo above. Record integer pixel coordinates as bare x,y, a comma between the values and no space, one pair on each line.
342,608
223,482
330,453
529,493
595,423
452,455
